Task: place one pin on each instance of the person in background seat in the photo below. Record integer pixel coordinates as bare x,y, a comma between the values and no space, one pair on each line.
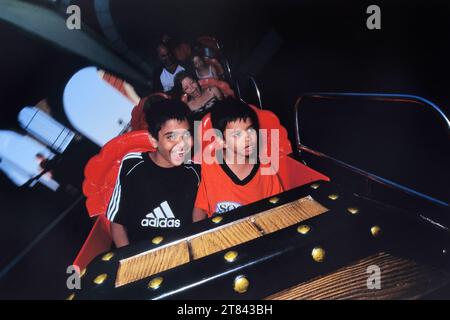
202,70
164,76
200,100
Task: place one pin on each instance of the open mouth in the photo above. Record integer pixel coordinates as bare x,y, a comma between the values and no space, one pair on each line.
249,149
179,155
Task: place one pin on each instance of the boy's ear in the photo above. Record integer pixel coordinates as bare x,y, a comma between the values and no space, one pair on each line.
153,141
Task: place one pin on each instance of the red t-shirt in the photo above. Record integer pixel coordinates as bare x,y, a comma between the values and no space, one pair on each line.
221,190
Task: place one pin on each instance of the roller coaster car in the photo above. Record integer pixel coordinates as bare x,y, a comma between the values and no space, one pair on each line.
341,234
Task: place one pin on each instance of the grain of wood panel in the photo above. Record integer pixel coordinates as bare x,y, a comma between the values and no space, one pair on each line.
288,214
400,279
152,262
223,238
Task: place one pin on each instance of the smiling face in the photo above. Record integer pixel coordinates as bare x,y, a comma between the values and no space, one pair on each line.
173,145
191,87
240,138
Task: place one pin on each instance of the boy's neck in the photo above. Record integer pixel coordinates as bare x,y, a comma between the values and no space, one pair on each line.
159,160
241,170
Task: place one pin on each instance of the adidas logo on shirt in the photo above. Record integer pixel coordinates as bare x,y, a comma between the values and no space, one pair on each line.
161,217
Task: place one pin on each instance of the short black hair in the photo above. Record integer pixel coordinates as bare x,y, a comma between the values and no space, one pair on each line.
230,110
158,112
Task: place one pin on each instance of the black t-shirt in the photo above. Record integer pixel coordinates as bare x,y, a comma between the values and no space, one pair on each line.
152,201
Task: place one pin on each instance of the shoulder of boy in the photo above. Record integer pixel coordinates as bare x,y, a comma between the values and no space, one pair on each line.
130,161
195,167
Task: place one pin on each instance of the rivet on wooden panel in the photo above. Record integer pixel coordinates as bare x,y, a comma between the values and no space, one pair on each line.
230,256
376,231
318,254
333,196
241,284
217,219
155,283
303,229
315,185
157,240
108,256
100,278
274,200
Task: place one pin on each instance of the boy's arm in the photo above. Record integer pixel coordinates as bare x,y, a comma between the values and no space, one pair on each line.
198,214
217,93
276,186
118,208
119,235
200,211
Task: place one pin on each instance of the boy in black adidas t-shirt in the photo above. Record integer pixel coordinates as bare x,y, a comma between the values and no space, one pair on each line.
155,191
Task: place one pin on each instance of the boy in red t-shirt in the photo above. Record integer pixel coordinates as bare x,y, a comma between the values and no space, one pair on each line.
236,178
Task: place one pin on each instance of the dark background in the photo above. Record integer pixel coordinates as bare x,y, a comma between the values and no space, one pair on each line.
290,47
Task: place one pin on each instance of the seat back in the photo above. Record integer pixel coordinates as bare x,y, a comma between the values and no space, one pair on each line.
209,42
268,121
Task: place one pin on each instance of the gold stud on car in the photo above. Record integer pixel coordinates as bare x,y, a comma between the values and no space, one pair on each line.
303,229
353,210
333,196
376,231
108,256
230,256
241,284
155,283
274,200
318,254
217,219
100,278
157,240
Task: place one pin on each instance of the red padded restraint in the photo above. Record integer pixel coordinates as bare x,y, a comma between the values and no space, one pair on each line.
101,170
